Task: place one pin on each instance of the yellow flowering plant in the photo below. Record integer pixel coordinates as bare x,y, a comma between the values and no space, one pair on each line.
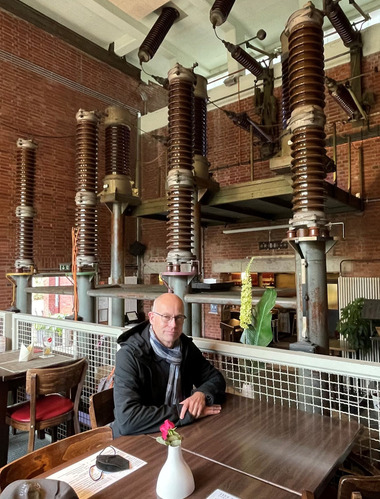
256,320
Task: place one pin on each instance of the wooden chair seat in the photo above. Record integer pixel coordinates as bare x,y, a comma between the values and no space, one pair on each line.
52,455
54,399
46,408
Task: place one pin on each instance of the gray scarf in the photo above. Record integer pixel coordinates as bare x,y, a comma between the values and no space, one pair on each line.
172,356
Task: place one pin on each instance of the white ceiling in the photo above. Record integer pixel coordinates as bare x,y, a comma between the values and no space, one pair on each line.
191,39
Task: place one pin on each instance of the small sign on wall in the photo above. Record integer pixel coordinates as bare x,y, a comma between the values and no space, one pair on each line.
213,308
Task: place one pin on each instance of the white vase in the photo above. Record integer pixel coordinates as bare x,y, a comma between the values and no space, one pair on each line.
175,480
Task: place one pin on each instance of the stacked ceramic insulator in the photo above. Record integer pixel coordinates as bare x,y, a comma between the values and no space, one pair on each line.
86,188
26,162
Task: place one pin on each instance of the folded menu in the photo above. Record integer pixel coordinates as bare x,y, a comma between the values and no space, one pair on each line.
26,353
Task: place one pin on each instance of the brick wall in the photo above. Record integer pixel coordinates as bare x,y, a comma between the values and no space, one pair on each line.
35,106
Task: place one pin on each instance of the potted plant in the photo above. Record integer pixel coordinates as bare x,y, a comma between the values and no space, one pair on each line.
356,330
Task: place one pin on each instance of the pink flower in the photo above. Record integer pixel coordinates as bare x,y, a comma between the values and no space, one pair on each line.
164,428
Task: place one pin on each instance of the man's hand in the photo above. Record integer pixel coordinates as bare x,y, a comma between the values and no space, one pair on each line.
196,405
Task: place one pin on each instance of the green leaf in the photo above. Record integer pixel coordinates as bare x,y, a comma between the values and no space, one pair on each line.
260,331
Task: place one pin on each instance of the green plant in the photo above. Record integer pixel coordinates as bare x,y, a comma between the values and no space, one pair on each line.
353,327
257,320
259,331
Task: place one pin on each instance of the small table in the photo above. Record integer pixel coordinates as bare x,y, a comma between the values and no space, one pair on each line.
208,476
12,375
282,446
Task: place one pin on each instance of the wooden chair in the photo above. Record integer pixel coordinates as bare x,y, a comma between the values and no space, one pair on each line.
101,408
52,455
367,486
54,399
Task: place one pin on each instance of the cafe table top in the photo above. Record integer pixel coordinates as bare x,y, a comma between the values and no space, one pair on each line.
283,446
10,367
208,476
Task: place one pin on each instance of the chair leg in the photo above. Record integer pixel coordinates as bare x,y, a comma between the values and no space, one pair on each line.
54,433
76,425
32,435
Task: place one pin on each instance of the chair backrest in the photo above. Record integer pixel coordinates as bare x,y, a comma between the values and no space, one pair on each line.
67,379
46,458
101,408
368,486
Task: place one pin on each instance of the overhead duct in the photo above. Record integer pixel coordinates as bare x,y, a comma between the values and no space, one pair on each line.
220,11
180,180
87,180
26,161
157,34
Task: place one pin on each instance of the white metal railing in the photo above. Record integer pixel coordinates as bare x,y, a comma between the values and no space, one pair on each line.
333,386
337,387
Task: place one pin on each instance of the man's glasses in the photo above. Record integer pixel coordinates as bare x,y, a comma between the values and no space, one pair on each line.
178,319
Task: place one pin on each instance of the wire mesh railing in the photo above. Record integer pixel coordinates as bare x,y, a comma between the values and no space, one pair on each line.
333,386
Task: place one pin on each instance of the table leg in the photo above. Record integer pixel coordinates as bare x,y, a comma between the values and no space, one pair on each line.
4,428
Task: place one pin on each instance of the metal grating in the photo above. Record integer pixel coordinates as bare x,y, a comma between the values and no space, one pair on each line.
335,387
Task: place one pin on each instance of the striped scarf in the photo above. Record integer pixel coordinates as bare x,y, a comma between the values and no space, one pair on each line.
172,356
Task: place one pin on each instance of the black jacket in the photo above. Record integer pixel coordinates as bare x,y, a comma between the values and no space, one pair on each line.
141,378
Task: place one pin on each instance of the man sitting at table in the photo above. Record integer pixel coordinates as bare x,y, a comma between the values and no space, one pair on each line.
160,374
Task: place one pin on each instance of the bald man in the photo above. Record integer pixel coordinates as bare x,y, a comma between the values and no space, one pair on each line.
160,374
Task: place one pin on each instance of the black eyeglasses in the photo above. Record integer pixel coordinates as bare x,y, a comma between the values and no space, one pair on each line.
178,319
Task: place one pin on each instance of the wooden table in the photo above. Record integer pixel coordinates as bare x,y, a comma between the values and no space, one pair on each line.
208,476
12,375
282,446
